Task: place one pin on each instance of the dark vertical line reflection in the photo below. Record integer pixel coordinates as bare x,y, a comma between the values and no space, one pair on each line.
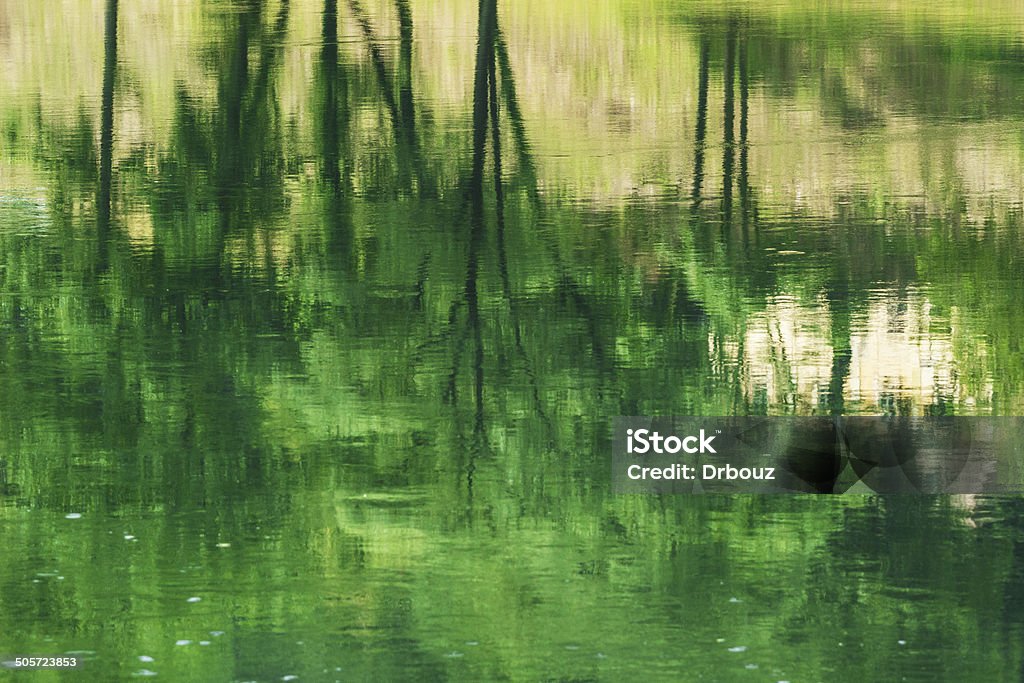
728,139
702,119
106,134
481,91
405,100
329,72
744,112
337,164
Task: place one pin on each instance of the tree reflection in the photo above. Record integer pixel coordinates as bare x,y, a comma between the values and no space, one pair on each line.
308,324
106,135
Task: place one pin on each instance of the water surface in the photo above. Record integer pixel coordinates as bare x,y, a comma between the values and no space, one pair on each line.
314,316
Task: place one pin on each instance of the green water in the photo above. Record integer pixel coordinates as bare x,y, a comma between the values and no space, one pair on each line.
319,312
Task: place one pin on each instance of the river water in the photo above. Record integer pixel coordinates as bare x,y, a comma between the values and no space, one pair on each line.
315,315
